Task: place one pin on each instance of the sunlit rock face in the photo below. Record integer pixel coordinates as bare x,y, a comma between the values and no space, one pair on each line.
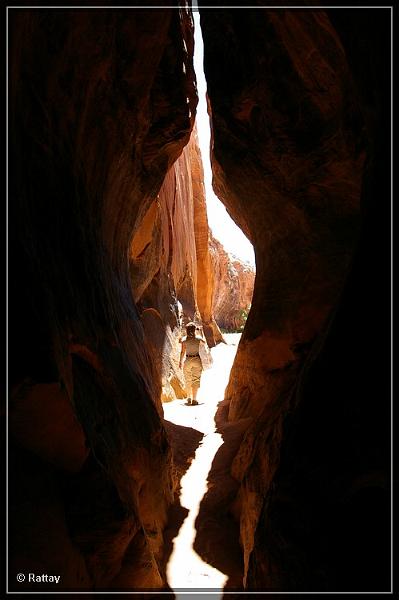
297,106
171,267
163,269
207,278
101,104
234,286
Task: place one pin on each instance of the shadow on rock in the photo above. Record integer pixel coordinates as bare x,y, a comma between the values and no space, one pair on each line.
217,539
184,441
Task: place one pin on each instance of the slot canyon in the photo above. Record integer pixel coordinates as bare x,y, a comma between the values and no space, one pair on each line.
110,255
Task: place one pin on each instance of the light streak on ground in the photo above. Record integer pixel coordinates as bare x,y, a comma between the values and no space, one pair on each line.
185,569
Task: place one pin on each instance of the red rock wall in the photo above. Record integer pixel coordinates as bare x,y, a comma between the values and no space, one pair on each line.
101,104
100,108
206,276
163,246
291,110
163,267
233,289
170,266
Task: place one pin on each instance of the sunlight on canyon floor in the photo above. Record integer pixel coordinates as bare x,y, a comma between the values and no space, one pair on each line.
185,569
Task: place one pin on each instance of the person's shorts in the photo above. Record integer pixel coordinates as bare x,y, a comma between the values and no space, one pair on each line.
192,370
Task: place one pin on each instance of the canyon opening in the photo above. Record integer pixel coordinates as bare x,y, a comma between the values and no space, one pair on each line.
176,422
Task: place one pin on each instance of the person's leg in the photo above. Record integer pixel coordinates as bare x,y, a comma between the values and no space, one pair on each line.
188,380
190,393
195,392
196,378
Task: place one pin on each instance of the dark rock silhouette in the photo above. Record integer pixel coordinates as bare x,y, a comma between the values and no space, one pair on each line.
299,103
102,105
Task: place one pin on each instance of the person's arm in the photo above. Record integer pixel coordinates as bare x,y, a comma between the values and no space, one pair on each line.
182,353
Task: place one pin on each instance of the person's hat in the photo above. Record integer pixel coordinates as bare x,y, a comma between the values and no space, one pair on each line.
191,324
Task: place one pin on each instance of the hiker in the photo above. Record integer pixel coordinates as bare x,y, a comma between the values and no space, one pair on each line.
190,347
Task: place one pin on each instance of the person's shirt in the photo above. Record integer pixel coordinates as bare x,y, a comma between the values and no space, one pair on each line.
192,345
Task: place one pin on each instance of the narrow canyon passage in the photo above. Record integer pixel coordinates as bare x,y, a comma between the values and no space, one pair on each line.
185,569
133,133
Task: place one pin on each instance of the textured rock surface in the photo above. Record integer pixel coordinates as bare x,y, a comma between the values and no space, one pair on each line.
234,286
296,105
206,276
171,267
101,104
163,268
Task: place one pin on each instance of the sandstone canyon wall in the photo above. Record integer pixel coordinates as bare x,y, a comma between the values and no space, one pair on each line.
233,290
296,98
102,186
206,275
101,104
171,268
